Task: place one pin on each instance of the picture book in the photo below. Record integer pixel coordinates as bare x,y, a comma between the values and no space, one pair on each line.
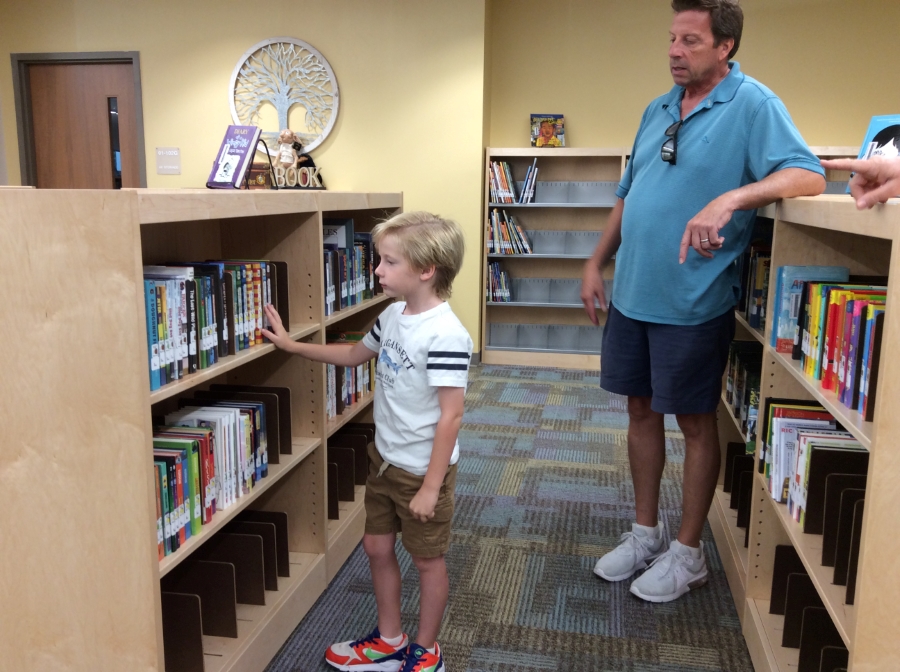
548,130
234,157
882,139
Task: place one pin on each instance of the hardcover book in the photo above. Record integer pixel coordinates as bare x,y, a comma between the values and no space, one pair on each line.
548,130
882,139
234,157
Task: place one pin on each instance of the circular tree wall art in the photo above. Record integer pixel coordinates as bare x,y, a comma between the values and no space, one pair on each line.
286,73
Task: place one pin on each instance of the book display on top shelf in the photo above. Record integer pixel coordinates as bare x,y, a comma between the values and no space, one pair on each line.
815,556
234,157
548,130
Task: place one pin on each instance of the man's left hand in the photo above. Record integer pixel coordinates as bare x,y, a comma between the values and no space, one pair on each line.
702,232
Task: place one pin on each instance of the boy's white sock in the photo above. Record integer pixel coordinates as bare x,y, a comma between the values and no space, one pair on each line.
394,641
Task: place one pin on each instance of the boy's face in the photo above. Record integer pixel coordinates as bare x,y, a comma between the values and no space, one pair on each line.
397,277
546,130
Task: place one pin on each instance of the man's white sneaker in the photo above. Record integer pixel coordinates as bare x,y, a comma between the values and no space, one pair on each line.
672,574
636,549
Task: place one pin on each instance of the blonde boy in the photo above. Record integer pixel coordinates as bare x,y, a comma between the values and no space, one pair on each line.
423,358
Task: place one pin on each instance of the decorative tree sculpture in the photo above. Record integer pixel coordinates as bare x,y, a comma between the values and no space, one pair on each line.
285,72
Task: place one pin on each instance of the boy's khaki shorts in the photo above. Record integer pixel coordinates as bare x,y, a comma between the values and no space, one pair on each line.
387,508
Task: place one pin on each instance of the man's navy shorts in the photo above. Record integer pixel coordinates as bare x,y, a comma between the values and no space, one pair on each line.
679,366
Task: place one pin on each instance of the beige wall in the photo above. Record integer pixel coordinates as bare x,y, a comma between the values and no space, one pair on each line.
601,61
411,76
417,104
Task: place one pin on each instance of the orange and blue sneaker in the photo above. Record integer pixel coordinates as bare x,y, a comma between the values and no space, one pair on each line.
418,659
369,654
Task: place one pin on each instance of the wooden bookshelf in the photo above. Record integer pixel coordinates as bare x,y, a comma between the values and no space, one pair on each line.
573,165
826,230
78,425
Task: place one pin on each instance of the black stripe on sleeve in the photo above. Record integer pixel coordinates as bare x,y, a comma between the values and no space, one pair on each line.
441,353
376,331
448,367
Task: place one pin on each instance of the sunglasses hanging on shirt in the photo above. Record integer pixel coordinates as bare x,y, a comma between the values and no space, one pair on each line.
669,150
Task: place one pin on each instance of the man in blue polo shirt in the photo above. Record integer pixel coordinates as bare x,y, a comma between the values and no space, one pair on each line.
707,154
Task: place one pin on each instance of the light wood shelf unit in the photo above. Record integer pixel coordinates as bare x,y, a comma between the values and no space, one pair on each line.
79,421
562,164
827,230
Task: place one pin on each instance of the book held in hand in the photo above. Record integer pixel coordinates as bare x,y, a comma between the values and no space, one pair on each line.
234,157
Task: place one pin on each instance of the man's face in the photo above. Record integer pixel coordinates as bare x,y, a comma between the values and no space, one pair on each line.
693,58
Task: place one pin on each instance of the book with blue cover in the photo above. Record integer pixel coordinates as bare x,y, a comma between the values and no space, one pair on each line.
788,294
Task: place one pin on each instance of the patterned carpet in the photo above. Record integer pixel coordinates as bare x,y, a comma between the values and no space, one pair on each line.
543,490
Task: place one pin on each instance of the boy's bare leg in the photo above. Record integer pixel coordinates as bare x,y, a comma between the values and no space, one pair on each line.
647,456
434,590
386,580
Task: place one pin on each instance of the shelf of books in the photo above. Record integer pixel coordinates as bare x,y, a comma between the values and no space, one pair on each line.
231,494
808,483
544,213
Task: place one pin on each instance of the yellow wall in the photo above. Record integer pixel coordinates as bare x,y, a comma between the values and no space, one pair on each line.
426,84
411,77
600,62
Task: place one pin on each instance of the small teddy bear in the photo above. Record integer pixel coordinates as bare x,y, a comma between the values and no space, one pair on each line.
287,155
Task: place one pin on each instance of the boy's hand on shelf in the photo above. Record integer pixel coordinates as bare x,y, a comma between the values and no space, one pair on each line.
422,505
277,335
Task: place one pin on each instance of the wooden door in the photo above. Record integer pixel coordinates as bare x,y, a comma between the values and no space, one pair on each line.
79,111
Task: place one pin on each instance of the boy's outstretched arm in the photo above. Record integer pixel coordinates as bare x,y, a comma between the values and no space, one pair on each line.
339,353
452,402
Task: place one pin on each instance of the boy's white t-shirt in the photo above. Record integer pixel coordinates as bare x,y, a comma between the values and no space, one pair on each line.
416,355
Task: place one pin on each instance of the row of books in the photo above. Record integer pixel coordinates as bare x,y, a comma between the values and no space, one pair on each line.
350,260
210,453
347,385
755,265
505,236
199,312
503,186
835,509
742,387
832,323
794,431
498,284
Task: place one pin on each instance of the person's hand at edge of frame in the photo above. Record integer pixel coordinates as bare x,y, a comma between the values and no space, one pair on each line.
702,231
592,288
874,181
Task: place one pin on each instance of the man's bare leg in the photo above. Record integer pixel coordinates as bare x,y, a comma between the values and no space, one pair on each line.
702,457
647,456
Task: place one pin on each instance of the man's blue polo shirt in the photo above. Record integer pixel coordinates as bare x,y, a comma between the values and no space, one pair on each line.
739,134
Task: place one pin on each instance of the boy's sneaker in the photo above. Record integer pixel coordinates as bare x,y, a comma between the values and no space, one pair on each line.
672,574
418,659
634,552
369,654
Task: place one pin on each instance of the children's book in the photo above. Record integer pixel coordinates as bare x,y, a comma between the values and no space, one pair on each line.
882,139
788,286
234,157
548,130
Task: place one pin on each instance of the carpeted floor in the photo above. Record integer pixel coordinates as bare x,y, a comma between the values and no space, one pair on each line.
543,490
